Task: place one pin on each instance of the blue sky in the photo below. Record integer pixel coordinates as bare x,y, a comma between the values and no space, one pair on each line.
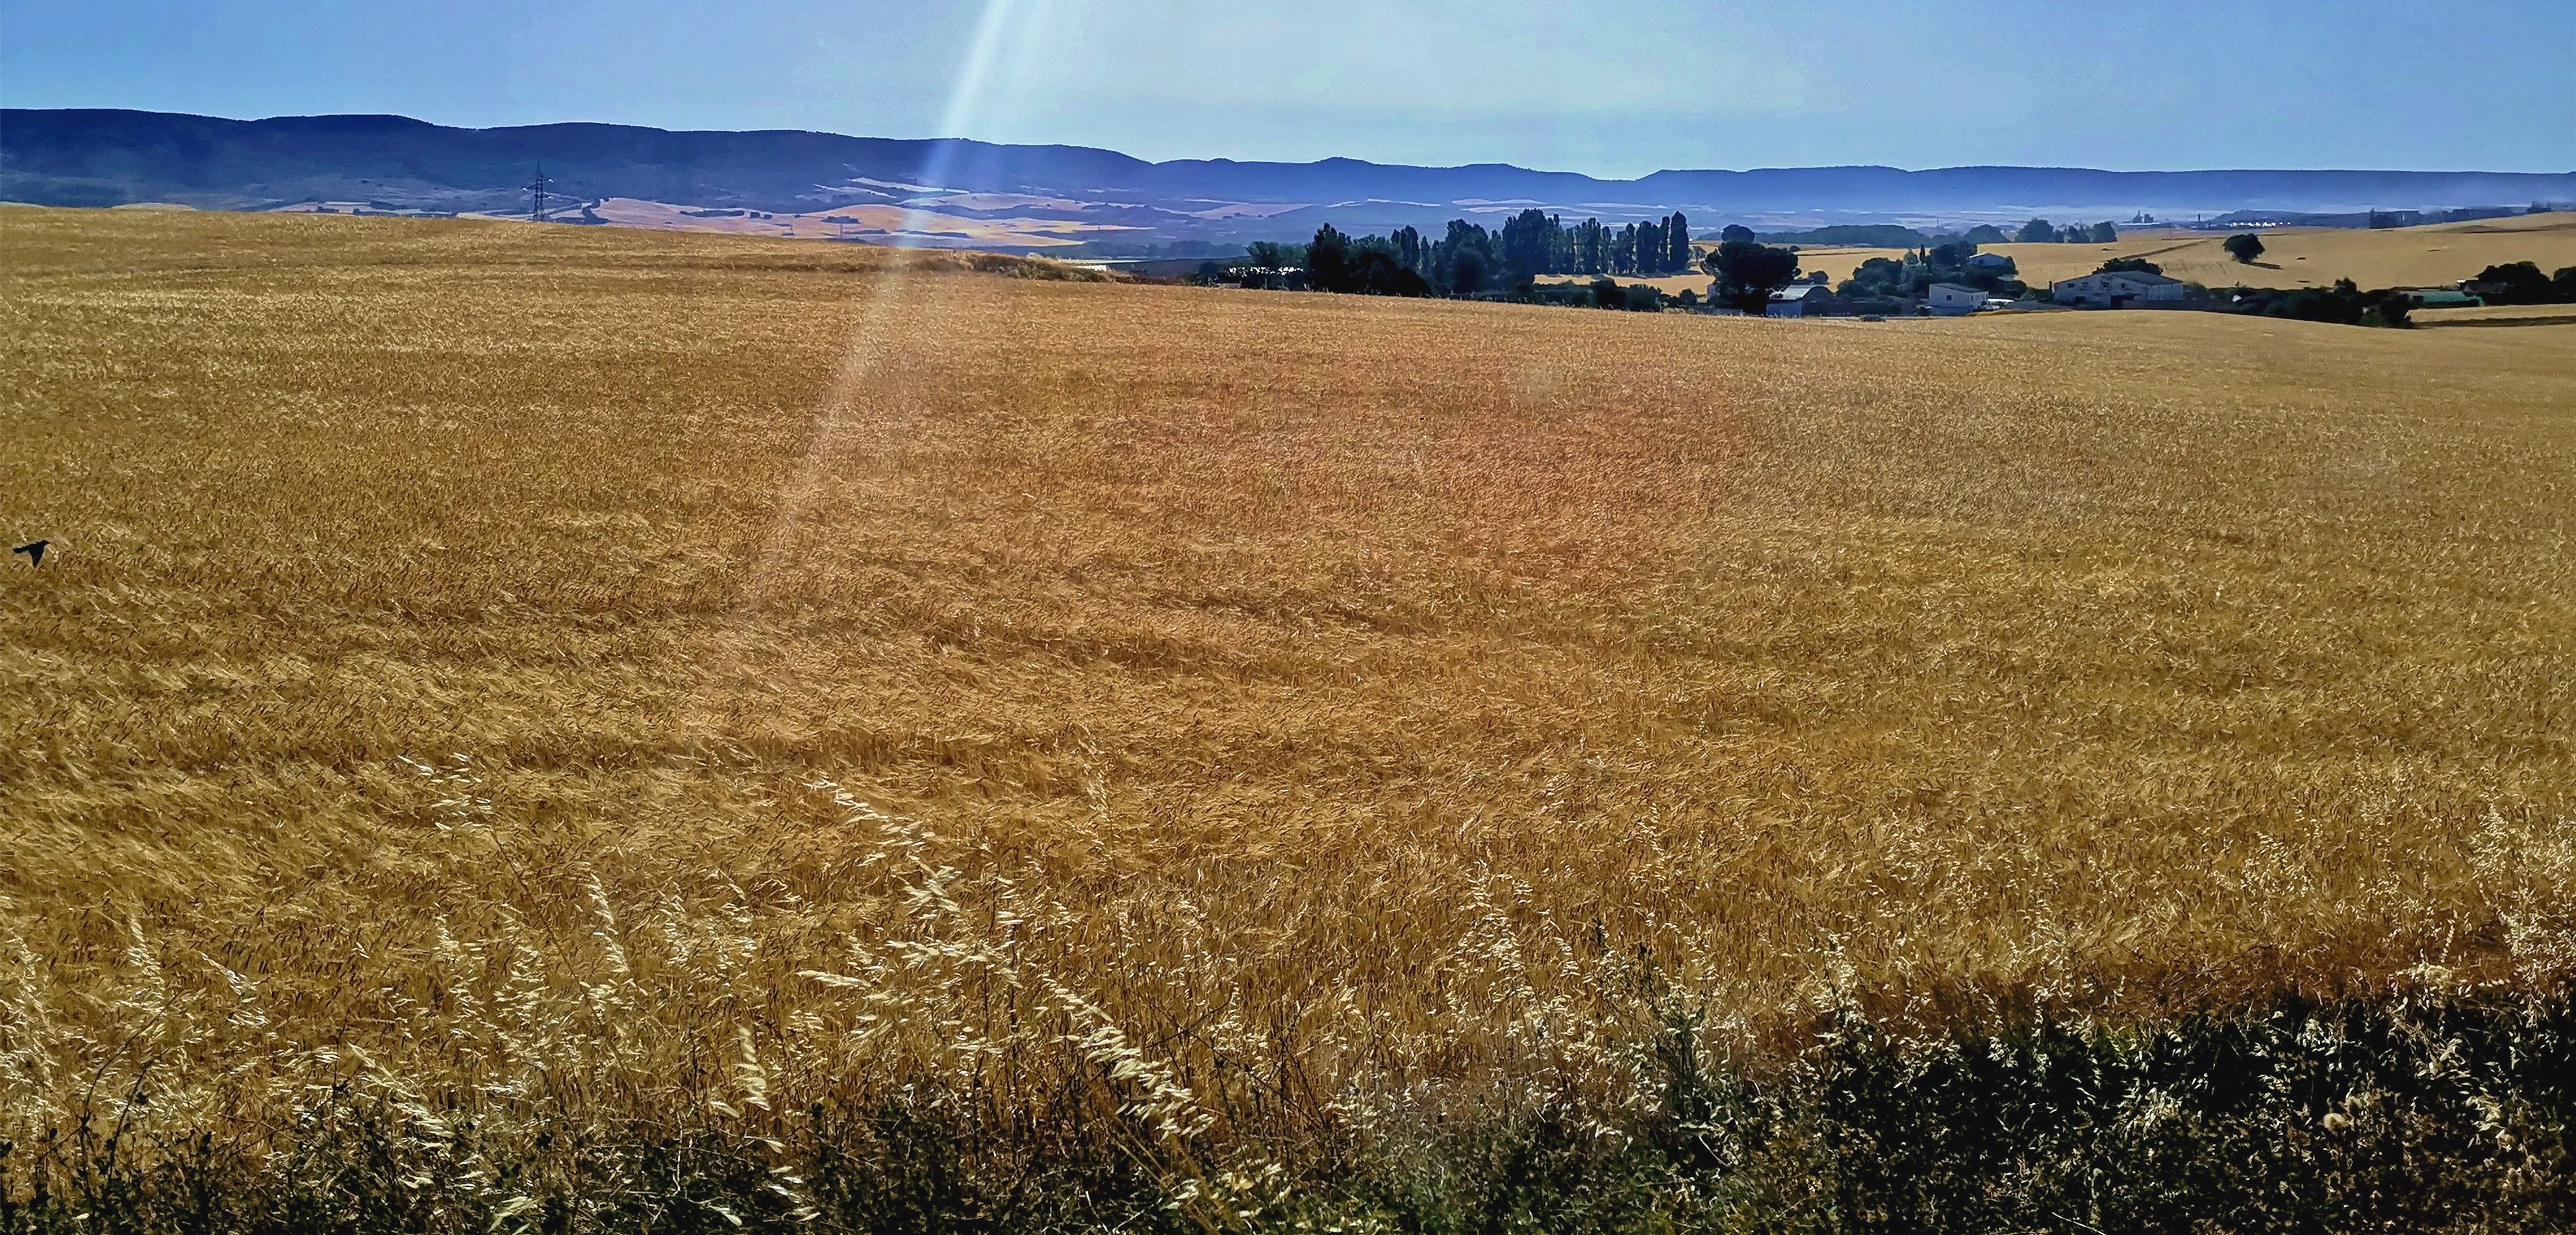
1619,88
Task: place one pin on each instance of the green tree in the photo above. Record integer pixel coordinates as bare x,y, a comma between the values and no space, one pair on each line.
1736,231
1466,272
2244,247
1879,276
1464,260
2516,283
2137,265
1678,230
2340,303
2037,231
1591,247
1747,273
1529,247
1273,255
1328,261
1409,248
1376,270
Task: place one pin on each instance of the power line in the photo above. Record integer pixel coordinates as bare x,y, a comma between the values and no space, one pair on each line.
537,197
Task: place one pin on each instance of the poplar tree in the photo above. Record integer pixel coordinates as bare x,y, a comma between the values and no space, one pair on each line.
1409,249
1588,256
1527,246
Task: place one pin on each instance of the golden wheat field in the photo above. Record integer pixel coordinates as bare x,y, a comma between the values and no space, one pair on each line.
483,663
2499,315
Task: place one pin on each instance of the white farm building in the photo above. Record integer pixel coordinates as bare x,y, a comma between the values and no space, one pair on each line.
1954,300
2117,289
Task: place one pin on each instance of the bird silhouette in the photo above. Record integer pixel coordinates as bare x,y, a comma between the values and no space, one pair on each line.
35,551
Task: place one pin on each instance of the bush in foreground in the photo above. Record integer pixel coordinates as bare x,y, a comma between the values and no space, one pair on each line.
2368,1114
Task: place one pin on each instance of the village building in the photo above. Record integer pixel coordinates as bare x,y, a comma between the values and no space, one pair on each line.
1809,300
1990,261
1798,300
2116,289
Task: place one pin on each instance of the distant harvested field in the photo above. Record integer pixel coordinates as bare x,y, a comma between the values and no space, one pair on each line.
1841,262
520,674
878,223
2435,256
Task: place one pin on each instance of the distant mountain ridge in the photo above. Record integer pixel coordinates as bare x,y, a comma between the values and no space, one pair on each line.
103,157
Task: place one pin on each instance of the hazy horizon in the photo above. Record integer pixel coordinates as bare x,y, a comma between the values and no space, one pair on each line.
1614,92
1926,167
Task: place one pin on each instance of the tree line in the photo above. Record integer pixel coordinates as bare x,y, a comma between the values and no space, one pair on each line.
2041,231
1660,247
2522,283
1466,259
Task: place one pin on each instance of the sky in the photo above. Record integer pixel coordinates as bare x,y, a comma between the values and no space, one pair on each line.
1619,89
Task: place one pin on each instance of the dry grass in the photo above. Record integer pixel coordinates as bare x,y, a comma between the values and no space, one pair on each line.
502,667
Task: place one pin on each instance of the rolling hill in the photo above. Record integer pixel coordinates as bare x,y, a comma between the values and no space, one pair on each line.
392,163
